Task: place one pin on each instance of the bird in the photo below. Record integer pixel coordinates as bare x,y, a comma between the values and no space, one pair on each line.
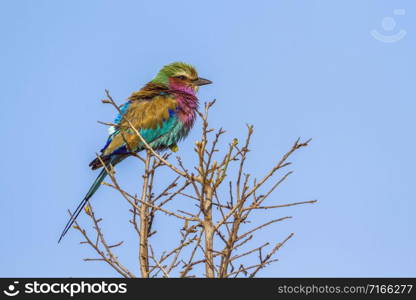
163,111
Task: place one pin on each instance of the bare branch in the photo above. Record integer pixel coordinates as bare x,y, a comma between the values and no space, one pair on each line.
211,238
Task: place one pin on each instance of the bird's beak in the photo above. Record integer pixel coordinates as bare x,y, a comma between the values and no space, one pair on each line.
201,81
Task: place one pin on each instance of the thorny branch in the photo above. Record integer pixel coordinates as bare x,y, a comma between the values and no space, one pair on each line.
210,215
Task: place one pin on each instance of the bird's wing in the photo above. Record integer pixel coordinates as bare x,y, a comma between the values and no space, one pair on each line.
151,117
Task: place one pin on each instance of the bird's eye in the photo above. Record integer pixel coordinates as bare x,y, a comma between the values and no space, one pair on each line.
181,77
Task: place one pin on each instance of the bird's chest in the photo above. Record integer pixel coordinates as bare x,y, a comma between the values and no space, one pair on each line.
186,111
187,117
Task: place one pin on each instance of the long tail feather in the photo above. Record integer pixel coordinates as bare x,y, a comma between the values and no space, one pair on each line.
94,187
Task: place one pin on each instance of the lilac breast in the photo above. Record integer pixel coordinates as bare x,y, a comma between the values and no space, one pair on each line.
187,109
187,103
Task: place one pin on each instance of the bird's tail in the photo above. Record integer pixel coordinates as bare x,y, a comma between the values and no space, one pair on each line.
94,187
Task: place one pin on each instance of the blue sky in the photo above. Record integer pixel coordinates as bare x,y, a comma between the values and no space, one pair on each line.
291,68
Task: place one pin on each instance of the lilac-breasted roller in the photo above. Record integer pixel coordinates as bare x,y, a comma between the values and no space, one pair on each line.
163,111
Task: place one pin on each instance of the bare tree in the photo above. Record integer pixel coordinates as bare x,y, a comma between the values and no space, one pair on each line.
214,237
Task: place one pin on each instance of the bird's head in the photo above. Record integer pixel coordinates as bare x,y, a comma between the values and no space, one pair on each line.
180,76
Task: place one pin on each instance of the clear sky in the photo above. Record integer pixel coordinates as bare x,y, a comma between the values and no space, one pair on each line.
292,68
